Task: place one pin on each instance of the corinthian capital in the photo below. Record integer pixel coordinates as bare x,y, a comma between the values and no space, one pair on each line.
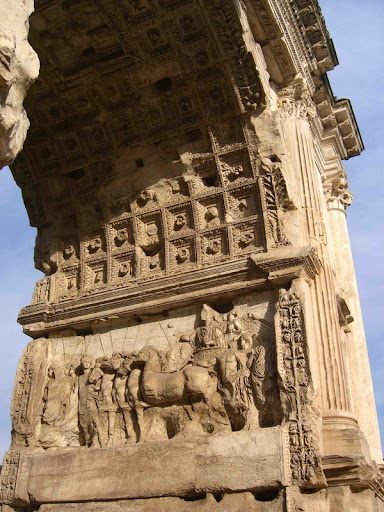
295,100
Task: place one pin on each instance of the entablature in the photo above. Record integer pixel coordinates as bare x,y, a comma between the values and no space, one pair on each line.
337,115
257,272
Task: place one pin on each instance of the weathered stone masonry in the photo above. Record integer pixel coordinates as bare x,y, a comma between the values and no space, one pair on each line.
197,335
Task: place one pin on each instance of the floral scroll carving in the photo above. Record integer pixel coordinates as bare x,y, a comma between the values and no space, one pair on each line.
8,476
296,389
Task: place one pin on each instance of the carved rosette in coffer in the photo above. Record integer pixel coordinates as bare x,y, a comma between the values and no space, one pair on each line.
296,390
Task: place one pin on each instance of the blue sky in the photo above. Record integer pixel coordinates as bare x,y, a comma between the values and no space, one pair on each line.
357,30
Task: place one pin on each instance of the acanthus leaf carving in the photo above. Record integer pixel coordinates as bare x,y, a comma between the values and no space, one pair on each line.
276,200
295,100
337,190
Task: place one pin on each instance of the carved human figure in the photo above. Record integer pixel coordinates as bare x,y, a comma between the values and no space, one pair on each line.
295,465
41,293
59,419
109,367
210,334
234,327
237,336
307,436
294,434
177,357
235,386
172,359
57,395
85,415
119,392
256,364
93,405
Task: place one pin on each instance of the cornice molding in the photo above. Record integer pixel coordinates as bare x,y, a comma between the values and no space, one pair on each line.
267,270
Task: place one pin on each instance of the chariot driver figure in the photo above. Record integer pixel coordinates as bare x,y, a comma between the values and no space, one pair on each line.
210,334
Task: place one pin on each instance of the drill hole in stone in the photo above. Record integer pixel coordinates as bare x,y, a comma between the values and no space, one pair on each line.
89,52
77,174
139,163
164,84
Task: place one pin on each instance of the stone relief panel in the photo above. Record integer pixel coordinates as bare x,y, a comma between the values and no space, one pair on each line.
195,372
41,293
235,502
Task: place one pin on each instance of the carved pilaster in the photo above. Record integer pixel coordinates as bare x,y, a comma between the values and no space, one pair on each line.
296,390
297,115
9,476
27,393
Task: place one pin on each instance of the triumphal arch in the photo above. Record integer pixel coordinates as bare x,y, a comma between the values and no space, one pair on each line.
197,341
